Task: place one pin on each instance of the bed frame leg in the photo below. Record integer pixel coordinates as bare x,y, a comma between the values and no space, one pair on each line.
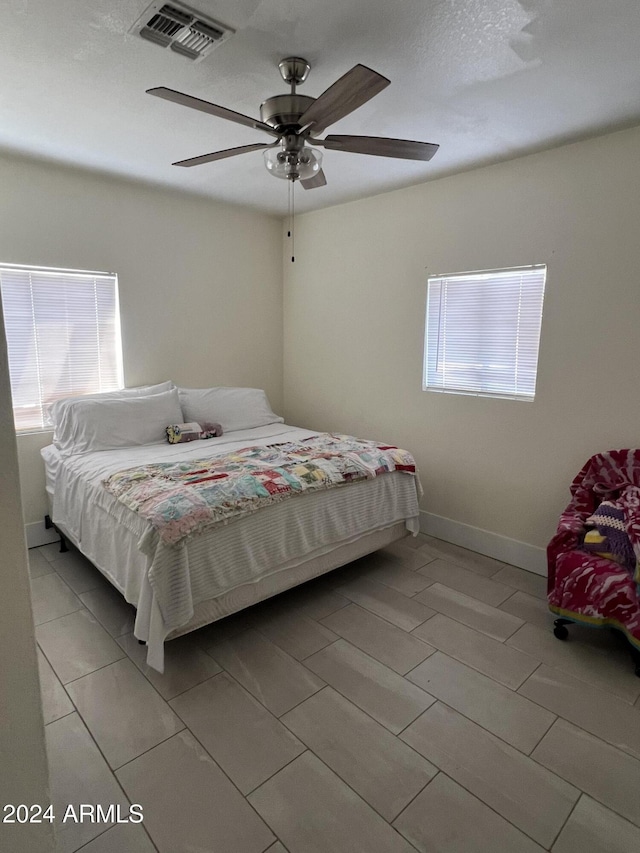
142,642
63,542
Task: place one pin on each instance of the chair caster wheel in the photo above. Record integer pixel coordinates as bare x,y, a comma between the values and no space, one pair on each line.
560,630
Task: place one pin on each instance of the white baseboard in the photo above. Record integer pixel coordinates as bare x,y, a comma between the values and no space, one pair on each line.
520,554
37,534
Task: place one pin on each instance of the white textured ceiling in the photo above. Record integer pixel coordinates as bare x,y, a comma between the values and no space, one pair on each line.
486,79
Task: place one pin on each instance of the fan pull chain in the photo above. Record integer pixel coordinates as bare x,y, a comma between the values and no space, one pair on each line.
291,214
293,220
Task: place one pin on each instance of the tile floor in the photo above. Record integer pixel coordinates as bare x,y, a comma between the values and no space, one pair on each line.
413,700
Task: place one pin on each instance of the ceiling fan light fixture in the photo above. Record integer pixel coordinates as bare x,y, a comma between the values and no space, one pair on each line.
293,165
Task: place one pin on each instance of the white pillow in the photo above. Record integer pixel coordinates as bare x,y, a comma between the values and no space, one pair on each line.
58,410
232,408
104,424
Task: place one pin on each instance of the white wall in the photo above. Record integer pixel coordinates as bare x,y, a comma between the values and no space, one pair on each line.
23,765
200,283
354,325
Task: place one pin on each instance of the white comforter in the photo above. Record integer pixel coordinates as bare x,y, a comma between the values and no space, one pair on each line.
166,582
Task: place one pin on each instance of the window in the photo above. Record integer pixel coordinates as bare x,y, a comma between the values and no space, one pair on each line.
63,337
483,331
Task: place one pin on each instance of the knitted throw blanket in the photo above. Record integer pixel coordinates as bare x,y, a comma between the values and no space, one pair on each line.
609,521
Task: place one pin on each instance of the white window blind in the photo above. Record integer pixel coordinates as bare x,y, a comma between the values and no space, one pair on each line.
483,332
63,337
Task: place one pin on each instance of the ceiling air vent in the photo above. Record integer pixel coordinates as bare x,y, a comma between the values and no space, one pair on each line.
184,30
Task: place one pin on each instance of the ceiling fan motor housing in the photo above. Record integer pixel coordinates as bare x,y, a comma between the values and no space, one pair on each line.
283,111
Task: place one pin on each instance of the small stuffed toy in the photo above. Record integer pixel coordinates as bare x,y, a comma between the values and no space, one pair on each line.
179,433
210,430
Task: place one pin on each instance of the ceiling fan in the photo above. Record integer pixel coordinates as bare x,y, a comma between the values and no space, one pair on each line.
295,120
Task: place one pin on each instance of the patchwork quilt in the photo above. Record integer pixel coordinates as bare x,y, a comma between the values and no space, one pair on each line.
182,498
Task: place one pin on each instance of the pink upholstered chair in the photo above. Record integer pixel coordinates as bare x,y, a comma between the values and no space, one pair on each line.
584,586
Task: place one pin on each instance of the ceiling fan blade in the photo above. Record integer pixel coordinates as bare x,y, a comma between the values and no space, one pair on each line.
318,180
212,109
220,155
381,146
348,93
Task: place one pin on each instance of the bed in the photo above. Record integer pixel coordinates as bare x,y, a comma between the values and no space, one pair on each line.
179,586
